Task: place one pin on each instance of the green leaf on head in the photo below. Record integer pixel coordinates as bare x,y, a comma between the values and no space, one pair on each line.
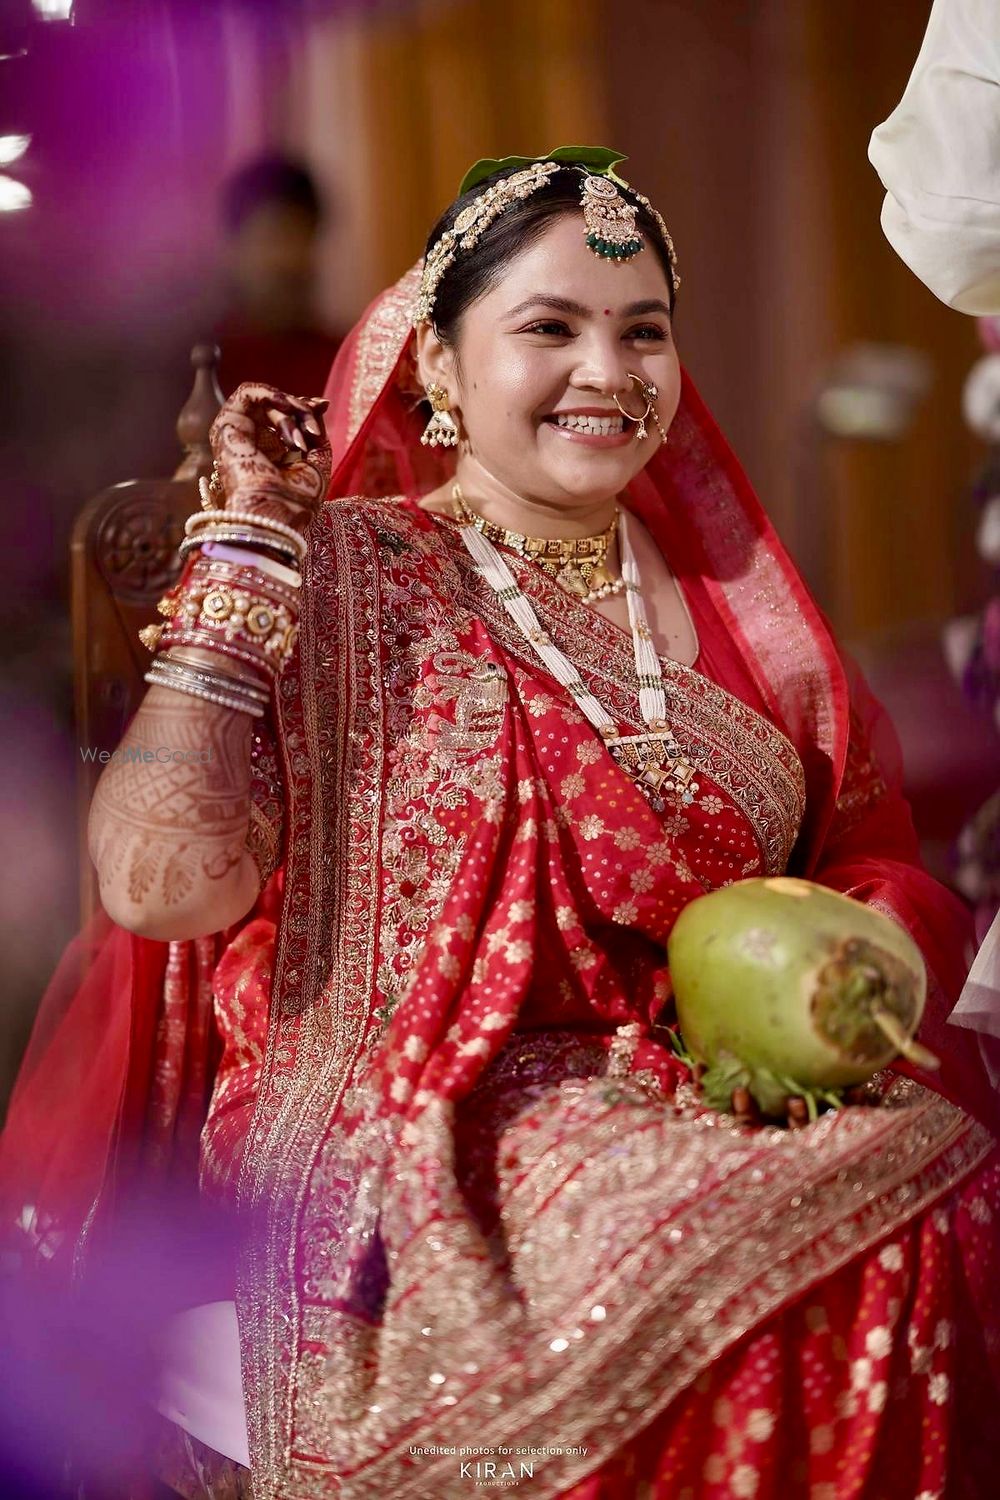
597,159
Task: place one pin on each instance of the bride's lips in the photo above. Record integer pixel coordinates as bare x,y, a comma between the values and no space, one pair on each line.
590,439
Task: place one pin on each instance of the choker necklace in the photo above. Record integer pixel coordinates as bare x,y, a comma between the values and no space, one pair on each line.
578,564
654,760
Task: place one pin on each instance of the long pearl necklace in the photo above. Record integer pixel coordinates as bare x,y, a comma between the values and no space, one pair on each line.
654,760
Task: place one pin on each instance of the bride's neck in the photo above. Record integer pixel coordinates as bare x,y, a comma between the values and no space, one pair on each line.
490,498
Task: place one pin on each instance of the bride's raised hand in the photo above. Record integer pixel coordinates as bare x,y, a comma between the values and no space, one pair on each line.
272,455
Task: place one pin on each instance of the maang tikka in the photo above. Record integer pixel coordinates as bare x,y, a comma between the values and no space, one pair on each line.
610,220
441,431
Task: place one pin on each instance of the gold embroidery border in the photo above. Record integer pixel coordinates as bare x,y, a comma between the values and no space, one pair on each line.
324,965
379,346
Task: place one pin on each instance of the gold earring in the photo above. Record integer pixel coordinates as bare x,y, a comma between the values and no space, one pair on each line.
649,394
440,431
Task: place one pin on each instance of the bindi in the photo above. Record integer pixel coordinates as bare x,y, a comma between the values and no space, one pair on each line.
607,312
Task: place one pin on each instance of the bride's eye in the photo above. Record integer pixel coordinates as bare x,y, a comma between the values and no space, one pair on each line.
551,328
649,333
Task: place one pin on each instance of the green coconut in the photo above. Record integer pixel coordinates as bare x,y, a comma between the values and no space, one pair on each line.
786,988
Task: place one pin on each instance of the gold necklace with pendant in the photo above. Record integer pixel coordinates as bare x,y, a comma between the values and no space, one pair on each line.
577,564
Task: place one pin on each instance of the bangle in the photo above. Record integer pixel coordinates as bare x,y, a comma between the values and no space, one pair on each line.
247,579
205,640
202,518
238,611
223,682
225,605
157,678
253,536
218,552
250,680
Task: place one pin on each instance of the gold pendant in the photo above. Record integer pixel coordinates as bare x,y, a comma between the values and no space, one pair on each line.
656,765
572,580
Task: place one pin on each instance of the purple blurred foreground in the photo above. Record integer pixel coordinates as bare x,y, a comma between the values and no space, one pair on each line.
79,1367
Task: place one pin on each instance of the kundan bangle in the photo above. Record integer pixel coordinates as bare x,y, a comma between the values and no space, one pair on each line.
235,610
232,698
249,628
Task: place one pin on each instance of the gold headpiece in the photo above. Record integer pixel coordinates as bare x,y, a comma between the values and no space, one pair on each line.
469,226
609,218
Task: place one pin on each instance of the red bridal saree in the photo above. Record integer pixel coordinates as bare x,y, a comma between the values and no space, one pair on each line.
489,1212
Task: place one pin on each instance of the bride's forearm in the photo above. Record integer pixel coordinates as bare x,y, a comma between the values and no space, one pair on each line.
168,822
170,816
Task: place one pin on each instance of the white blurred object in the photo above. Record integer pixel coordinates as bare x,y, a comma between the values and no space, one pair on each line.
978,1005
872,391
200,1385
958,641
13,195
981,396
988,532
12,148
938,160
54,10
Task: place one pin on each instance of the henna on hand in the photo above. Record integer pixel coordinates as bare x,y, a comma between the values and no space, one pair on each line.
162,831
272,454
744,1107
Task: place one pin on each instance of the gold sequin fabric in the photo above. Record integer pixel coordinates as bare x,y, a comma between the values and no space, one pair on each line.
617,1244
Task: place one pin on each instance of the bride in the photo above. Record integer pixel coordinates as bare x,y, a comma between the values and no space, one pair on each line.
487,709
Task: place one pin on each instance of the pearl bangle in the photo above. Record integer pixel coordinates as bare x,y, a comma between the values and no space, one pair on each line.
244,518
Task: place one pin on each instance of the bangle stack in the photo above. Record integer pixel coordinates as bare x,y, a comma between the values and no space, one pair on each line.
228,605
198,681
243,527
237,611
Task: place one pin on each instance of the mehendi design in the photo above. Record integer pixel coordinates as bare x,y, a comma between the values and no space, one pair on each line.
159,826
260,473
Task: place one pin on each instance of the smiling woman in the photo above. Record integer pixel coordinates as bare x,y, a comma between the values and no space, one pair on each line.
564,344
552,332
555,679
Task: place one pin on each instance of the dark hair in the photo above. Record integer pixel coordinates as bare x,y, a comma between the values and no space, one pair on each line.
475,272
269,179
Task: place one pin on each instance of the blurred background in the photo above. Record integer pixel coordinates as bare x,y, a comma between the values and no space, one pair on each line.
253,173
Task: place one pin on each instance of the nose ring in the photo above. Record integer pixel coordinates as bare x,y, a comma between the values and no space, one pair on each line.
649,395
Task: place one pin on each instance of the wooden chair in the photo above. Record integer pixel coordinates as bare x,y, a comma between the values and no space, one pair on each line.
123,555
